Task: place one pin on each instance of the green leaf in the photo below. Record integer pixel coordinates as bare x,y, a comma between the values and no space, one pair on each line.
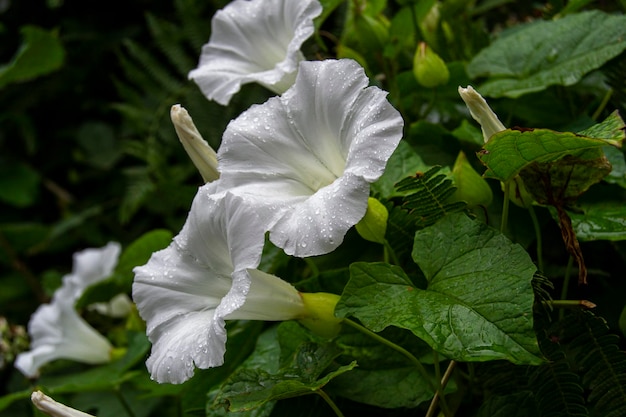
611,129
387,388
138,252
545,53
102,377
509,151
328,6
40,54
618,172
7,400
98,142
430,196
517,404
478,303
250,388
19,184
599,220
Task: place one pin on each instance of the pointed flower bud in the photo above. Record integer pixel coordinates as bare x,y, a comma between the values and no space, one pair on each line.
481,112
201,154
428,67
53,408
490,125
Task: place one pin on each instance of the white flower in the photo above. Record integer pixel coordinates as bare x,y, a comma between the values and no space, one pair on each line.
53,408
58,332
207,275
306,158
92,266
254,41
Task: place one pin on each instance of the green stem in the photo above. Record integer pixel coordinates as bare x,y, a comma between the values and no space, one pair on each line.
125,404
602,106
330,402
395,347
390,253
566,280
538,237
505,206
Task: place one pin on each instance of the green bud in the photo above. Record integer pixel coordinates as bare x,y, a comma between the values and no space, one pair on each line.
471,186
320,313
373,225
428,67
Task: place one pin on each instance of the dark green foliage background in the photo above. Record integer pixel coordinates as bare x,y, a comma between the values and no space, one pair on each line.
88,155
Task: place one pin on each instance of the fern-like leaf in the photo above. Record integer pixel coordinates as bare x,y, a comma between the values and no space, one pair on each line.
600,362
429,200
138,189
169,39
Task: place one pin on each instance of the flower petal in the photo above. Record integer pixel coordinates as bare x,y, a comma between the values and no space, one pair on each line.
281,153
185,291
58,332
254,41
92,266
318,224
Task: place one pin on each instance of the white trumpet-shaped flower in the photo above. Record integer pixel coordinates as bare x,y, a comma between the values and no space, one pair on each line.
207,275
92,266
57,331
306,159
254,41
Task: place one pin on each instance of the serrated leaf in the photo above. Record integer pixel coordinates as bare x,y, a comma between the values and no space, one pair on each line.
611,129
478,303
518,404
545,53
508,152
